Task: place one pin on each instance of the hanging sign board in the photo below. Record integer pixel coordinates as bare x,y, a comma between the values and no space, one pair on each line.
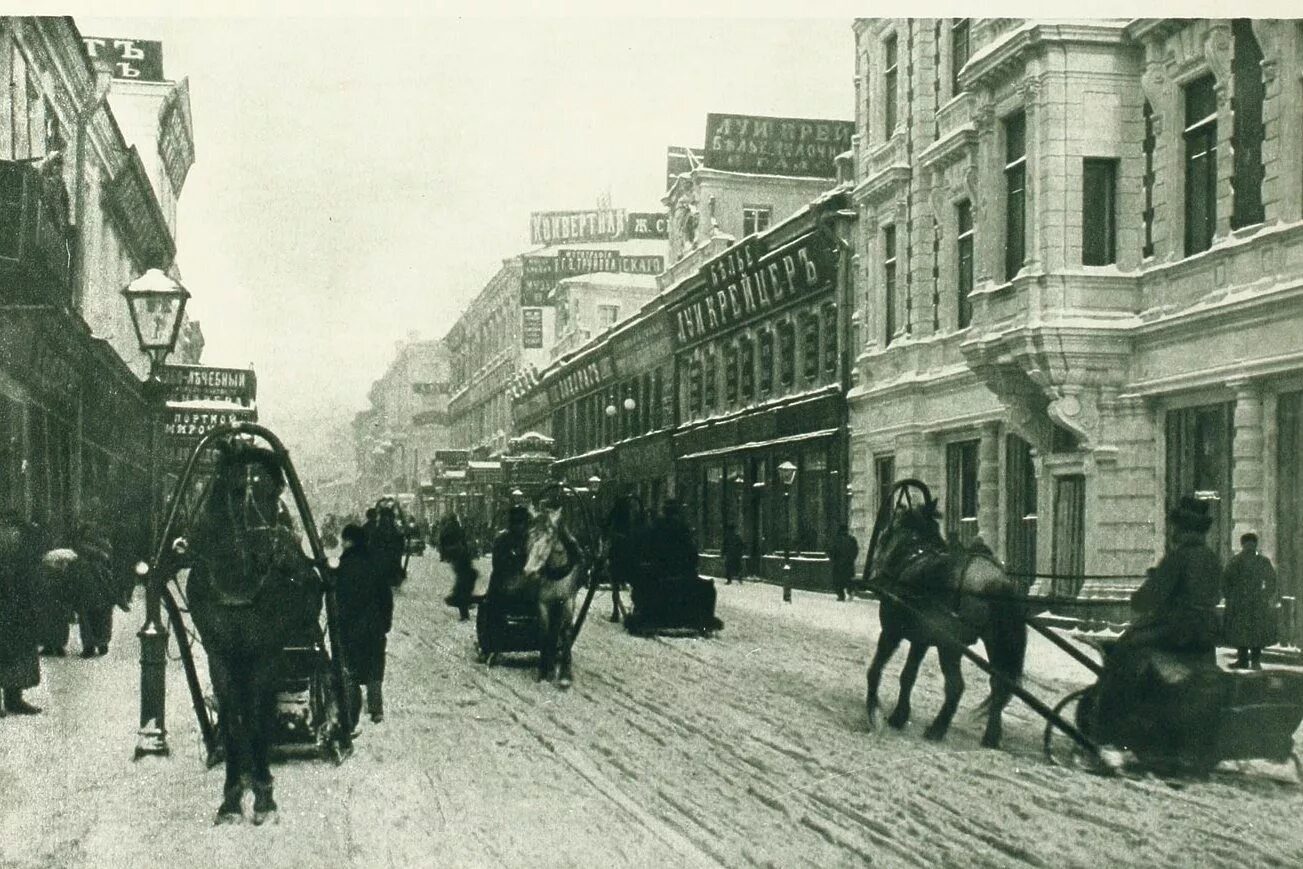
799,147
531,328
209,383
131,59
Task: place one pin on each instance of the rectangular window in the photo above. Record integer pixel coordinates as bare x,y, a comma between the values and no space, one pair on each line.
1020,506
1069,535
694,389
961,491
730,373
608,315
810,346
1200,165
766,362
1200,450
830,341
1098,211
660,413
889,87
786,353
1015,194
712,378
811,500
1246,127
746,363
755,218
964,260
888,283
1151,140
959,29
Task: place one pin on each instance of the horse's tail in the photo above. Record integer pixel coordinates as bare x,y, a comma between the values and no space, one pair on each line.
1007,642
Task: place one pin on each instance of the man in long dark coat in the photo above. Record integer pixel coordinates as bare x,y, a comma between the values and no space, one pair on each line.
733,551
454,549
1249,586
366,611
97,589
841,556
21,546
677,594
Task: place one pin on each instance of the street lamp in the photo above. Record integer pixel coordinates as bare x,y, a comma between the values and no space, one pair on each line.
157,305
787,476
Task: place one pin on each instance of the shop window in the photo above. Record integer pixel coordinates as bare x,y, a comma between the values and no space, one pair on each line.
1200,164
659,411
1200,441
1247,129
755,218
959,50
1015,194
830,337
694,389
810,346
1099,211
889,283
786,353
964,261
713,507
746,363
766,361
1150,142
730,373
712,379
812,510
645,405
961,491
889,75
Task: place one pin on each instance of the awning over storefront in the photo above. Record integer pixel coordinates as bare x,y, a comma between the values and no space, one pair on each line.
760,445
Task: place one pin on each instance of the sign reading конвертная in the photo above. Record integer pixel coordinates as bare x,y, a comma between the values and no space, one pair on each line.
799,147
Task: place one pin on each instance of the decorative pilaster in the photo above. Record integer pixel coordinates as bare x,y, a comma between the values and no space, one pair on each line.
981,178
1282,182
1158,91
1248,465
1034,139
988,485
1218,47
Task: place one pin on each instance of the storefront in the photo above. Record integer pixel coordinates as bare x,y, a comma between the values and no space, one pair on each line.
759,341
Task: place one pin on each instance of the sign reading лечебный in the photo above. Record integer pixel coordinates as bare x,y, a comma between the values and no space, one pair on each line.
799,147
209,383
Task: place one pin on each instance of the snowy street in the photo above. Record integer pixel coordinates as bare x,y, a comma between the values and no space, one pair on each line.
749,749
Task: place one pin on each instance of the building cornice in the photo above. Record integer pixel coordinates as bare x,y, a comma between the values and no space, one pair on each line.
1007,55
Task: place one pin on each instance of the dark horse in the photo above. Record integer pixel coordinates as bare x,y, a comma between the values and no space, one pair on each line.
251,590
934,594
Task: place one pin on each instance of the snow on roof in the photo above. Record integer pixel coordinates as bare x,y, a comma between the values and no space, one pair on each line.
210,406
484,466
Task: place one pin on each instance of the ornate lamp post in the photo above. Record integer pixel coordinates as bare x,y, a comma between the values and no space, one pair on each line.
787,476
157,304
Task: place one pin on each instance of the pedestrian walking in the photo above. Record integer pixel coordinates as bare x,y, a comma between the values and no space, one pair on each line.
733,550
366,610
1250,589
841,556
455,549
96,588
21,546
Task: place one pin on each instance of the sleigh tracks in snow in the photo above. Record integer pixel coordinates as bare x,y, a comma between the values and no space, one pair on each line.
313,713
1227,717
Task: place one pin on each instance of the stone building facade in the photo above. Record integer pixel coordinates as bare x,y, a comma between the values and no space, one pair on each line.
1079,262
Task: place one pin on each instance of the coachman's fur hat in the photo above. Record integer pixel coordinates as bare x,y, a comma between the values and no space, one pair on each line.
1191,514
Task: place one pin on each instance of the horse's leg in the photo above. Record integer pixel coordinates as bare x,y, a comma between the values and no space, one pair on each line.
546,648
263,677
917,652
1000,695
228,702
888,640
565,636
954,676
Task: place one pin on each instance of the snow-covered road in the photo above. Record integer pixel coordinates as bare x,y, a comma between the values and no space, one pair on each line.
747,749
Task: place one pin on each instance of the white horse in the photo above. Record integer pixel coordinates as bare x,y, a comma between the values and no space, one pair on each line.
554,565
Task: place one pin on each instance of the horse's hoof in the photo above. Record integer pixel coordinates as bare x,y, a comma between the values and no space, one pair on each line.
934,734
260,818
564,682
224,817
990,741
898,719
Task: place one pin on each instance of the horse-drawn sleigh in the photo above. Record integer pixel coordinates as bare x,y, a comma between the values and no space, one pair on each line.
1154,710
256,600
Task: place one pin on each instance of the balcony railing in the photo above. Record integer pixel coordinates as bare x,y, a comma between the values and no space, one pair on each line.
36,241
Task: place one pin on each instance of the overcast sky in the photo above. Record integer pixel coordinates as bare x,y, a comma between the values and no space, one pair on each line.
357,179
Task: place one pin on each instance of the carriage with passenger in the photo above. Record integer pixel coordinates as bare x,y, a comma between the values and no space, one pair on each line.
1163,711
257,599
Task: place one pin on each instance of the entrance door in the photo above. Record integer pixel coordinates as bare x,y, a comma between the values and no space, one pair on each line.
1069,534
1199,441
1289,504
756,520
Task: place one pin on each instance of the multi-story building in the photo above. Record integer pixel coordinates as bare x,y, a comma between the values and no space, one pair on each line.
82,219
591,304
1079,268
395,439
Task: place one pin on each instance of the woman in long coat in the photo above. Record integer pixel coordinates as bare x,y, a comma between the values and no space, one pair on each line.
366,610
1249,585
20,669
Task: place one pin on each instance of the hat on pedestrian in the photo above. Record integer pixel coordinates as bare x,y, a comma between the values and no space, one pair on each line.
1191,514
352,534
518,513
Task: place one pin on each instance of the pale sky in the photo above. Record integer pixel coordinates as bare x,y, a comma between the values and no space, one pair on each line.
357,179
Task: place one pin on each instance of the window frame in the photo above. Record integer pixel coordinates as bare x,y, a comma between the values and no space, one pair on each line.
1015,193
965,249
1199,133
958,26
890,84
1099,247
889,283
756,219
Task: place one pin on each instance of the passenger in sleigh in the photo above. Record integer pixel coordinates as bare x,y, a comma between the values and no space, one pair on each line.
673,594
1167,657
509,554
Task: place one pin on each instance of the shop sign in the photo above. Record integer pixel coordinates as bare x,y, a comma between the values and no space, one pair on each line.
582,261
538,280
131,59
744,282
582,379
531,328
194,424
568,227
642,265
801,147
174,144
649,225
209,383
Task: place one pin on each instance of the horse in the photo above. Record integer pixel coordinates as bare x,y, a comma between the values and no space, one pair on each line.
250,591
554,564
934,594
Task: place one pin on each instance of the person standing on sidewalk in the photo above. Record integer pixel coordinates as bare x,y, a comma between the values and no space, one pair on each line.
842,554
366,609
96,591
20,667
1249,586
734,549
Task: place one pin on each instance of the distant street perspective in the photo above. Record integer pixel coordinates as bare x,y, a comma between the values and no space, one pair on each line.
565,440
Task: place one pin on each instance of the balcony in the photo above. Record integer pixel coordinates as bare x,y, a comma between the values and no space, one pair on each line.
36,241
956,133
